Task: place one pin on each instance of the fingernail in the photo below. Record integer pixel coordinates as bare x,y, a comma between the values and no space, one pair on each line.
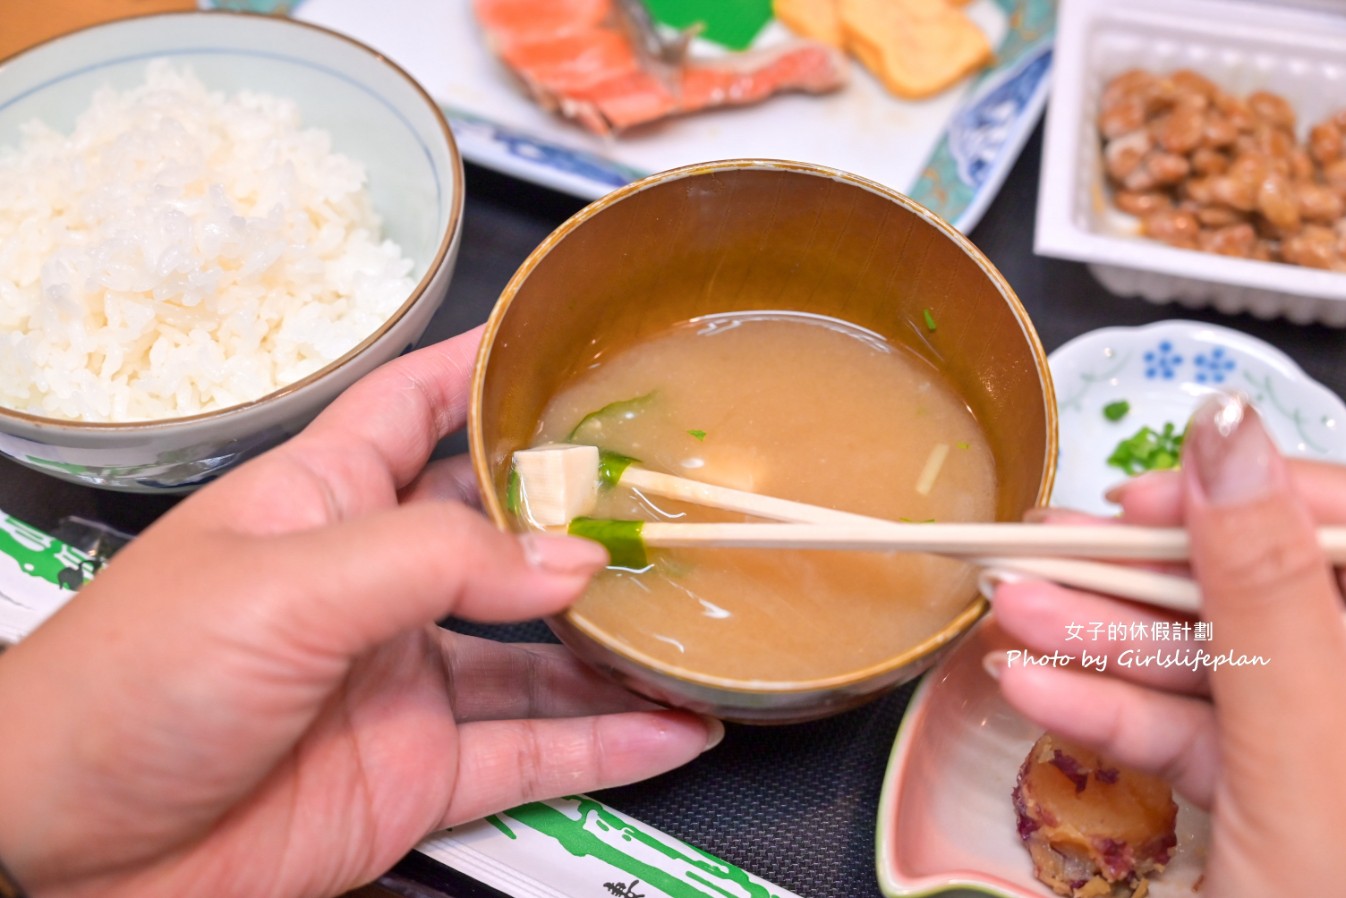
562,554
994,663
1229,451
1114,494
989,580
1048,514
714,732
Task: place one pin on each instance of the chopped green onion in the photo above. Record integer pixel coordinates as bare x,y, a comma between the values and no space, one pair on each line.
698,434
622,539
514,493
1116,411
611,466
929,320
964,444
1148,450
593,428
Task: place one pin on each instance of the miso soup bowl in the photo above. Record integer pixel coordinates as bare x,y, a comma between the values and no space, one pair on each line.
669,248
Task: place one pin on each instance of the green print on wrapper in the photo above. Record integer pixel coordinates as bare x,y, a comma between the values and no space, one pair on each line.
42,556
675,869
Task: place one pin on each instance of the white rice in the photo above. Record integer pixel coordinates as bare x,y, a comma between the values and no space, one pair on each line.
182,251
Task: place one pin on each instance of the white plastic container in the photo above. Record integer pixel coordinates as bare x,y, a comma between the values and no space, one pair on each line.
1241,45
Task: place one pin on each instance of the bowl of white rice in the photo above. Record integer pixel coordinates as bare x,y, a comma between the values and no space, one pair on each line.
211,224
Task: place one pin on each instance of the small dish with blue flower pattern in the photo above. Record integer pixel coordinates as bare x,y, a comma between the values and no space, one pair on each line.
1112,382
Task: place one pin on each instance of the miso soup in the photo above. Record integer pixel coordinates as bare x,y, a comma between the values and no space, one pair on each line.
791,405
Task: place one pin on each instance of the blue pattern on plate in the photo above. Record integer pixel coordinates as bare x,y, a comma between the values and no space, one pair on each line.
534,151
1162,362
1214,366
277,7
978,132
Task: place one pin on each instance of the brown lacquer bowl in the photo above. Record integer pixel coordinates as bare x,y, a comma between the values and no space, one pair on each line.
811,240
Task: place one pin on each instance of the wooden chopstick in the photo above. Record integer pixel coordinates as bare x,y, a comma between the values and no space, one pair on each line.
1119,541
714,496
1170,591
1061,553
1113,541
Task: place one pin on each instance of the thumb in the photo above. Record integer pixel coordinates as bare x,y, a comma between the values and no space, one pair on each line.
363,581
1267,588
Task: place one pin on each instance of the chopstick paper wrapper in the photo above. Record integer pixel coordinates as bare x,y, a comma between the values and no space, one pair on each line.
578,847
38,573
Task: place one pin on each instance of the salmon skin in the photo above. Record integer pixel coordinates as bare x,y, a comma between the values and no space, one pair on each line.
597,63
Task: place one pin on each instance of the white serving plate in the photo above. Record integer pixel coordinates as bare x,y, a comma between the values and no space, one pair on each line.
1243,46
951,153
1163,370
946,820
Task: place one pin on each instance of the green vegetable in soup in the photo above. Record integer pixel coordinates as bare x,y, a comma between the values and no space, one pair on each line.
611,465
622,539
514,493
596,428
1116,411
1148,450
697,434
929,320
